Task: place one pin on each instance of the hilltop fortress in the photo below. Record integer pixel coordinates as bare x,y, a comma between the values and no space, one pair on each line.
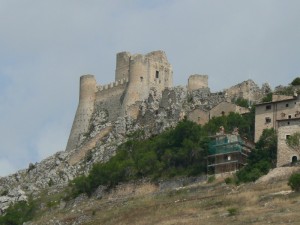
140,78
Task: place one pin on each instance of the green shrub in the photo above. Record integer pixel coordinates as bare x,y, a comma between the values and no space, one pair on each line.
211,179
232,211
229,180
176,152
4,192
296,81
18,213
294,182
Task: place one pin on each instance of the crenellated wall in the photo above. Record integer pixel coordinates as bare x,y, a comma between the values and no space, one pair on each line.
109,97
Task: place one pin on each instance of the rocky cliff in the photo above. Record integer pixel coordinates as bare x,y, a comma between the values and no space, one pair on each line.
158,112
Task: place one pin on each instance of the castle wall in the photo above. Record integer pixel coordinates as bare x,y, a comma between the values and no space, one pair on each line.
197,81
84,111
199,116
224,108
109,98
285,154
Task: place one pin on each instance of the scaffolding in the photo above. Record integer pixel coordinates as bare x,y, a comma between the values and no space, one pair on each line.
227,153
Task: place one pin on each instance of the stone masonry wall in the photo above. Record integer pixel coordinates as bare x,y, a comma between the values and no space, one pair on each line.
284,152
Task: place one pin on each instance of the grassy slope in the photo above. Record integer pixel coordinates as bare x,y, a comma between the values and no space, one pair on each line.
215,203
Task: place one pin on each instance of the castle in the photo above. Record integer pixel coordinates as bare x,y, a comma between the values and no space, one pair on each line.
140,78
135,76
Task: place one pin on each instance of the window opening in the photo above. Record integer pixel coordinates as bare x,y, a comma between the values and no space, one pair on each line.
290,116
142,78
268,107
286,105
157,74
268,120
294,159
287,136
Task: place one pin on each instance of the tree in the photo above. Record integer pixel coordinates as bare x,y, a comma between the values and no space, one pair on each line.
294,182
296,81
293,141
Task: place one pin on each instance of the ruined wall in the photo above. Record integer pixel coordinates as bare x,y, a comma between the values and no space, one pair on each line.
197,81
285,154
247,90
109,98
199,116
84,111
224,108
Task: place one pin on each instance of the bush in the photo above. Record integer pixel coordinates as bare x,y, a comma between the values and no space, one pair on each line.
18,213
296,81
294,182
232,211
176,152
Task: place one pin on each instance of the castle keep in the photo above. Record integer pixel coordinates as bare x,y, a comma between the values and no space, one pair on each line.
135,76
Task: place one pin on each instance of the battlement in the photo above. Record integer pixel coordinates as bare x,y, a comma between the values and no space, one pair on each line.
112,85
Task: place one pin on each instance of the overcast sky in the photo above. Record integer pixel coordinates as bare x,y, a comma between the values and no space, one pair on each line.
45,46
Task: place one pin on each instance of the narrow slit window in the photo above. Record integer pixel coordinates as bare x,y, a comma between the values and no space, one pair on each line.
157,74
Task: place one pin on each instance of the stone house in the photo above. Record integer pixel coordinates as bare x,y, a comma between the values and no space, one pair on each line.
201,116
282,114
224,108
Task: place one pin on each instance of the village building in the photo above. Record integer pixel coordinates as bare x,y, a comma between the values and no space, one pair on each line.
283,115
227,152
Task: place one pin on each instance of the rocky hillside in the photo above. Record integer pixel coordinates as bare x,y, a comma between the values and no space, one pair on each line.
157,113
181,201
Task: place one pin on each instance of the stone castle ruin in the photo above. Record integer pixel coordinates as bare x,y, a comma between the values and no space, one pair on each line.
142,97
148,79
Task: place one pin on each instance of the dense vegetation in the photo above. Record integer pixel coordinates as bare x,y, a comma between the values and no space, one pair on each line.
180,151
261,159
294,182
18,213
296,81
176,152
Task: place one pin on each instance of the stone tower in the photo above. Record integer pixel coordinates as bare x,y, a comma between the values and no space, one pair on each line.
87,95
145,72
197,81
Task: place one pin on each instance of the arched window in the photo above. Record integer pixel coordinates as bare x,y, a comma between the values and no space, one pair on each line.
294,159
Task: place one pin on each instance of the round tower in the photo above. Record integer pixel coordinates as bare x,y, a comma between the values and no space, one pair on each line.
138,88
85,109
